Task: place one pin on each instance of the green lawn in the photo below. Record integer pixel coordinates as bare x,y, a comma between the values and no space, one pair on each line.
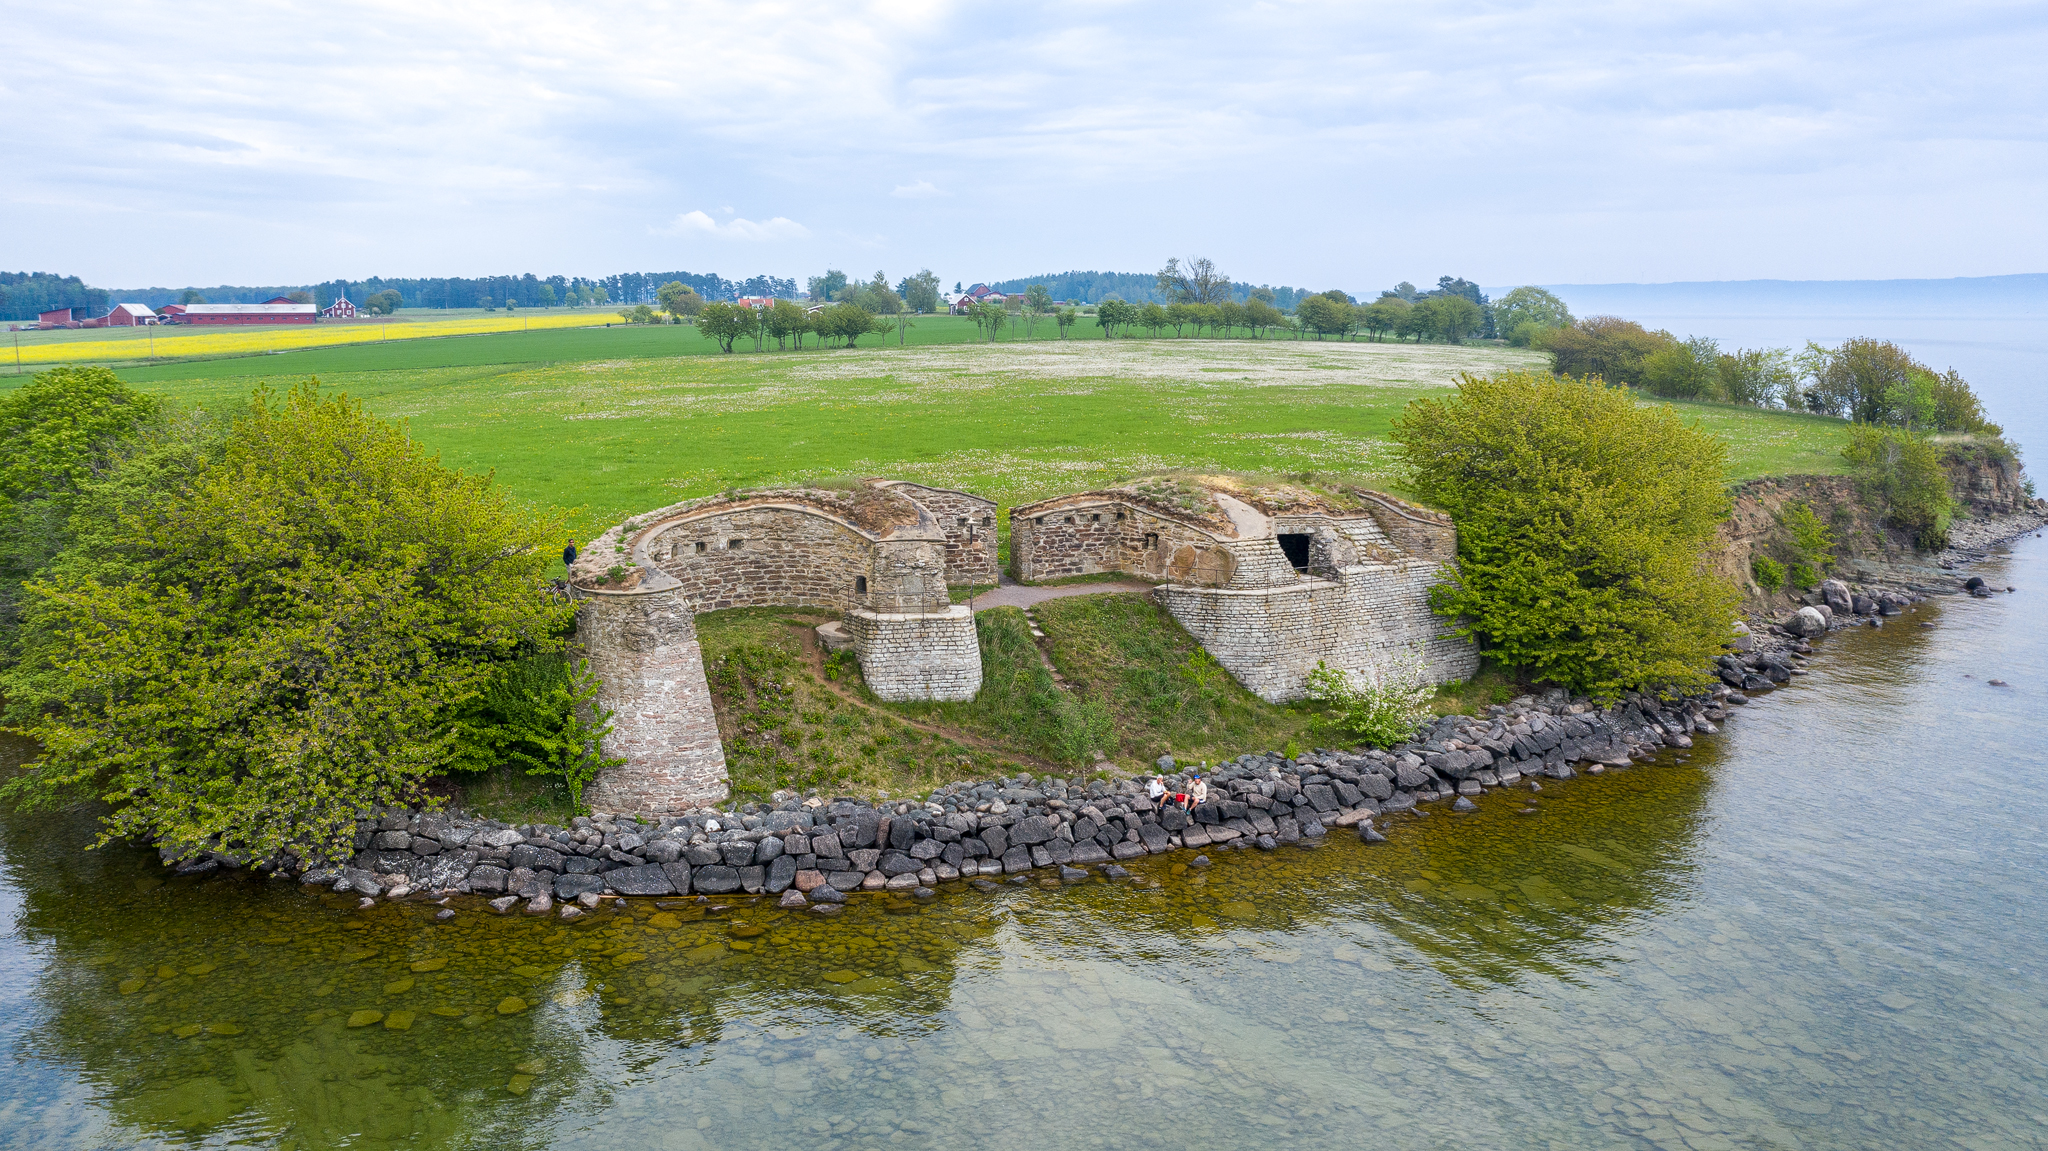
607,422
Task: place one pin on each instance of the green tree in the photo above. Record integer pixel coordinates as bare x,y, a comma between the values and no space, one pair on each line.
1860,379
1900,472
826,288
1328,314
1450,317
1761,377
989,317
1687,371
547,295
1230,316
785,320
540,713
845,321
1527,311
248,659
726,323
1584,519
921,292
1383,315
1113,314
679,299
1261,316
191,296
383,303
1179,316
57,432
1605,346
1066,318
1153,318
879,299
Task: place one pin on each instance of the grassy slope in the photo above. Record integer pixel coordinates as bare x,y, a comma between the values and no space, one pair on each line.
613,422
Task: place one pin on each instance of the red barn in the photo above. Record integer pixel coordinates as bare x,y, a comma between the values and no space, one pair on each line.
130,315
56,318
340,309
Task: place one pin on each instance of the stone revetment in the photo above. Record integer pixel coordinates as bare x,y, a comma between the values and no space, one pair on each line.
1271,580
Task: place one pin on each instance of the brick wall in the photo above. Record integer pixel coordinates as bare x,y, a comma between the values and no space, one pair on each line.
917,657
970,526
643,648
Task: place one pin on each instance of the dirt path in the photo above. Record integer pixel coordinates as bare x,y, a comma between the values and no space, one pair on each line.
1009,594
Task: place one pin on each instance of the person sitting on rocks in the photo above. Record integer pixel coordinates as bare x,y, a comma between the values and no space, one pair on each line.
1155,790
1201,791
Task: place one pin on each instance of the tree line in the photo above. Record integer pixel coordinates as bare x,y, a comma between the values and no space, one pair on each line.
23,295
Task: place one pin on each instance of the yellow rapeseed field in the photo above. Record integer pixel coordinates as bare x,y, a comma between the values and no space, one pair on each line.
180,341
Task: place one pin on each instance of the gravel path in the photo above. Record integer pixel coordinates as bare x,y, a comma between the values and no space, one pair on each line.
1009,594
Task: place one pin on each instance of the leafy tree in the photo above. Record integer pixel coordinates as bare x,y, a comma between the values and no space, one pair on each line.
191,296
1957,409
1526,311
1583,521
245,659
1761,377
1417,322
1198,283
1900,472
828,286
299,297
1179,316
1608,347
1113,314
1687,371
989,317
844,321
1383,315
1451,317
1037,300
1404,291
1854,379
1260,315
679,299
547,295
1153,318
727,323
1328,314
383,303
784,320
1813,545
57,432
1065,318
877,297
1230,315
921,292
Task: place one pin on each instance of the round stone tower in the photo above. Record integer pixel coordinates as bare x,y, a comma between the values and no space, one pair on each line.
642,645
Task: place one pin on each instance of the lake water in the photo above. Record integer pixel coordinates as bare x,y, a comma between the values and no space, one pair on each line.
1822,930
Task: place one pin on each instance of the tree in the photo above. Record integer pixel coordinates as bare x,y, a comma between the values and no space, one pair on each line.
1605,346
726,323
783,320
1113,314
1900,471
1404,291
1584,520
1230,315
1065,318
1687,371
247,659
191,296
1198,283
1179,316
1878,382
547,295
1526,311
844,321
385,302
1957,409
1037,299
1260,314
1152,318
989,317
921,292
1418,322
1762,377
878,298
827,287
1326,314
1383,315
1450,317
299,297
679,299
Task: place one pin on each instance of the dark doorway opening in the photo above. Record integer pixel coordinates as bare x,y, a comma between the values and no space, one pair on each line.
1295,545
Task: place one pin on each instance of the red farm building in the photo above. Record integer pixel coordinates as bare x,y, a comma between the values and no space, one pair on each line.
130,316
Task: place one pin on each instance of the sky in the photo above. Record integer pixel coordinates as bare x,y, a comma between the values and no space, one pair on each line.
1320,145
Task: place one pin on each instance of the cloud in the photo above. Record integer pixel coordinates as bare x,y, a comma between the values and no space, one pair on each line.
696,223
922,190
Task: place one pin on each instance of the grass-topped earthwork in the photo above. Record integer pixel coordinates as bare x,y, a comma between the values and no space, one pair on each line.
610,422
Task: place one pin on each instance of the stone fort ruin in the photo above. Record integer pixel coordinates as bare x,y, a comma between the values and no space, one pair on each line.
1270,579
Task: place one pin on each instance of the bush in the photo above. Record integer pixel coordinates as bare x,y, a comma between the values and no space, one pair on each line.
533,715
1606,347
1812,543
1802,575
1687,371
1379,705
1769,573
1901,473
272,632
1583,521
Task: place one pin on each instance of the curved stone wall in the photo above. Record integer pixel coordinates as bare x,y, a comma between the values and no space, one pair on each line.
763,555
642,645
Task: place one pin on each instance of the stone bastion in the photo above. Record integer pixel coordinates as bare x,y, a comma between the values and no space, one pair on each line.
884,555
1271,579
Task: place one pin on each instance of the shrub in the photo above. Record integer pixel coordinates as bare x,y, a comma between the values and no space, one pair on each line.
1687,371
1901,473
1812,542
1607,347
540,713
244,654
1379,705
1802,575
1583,521
1769,573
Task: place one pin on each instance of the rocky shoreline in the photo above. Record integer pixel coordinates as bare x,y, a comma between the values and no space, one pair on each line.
813,851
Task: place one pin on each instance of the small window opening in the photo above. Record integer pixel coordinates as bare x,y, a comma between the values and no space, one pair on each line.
1119,517
1041,519
1151,540
1096,518
700,547
1295,545
1070,519
735,544
860,585
964,522
988,521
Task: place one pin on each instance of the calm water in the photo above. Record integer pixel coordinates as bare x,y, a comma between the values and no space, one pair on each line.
1823,931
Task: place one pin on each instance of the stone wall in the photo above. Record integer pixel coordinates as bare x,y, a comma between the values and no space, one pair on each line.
1110,536
1416,531
786,555
1362,616
908,657
643,647
969,523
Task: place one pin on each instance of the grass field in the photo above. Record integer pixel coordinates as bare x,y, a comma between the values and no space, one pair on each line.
609,422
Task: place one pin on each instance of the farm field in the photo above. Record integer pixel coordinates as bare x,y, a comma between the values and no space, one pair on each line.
178,341
606,435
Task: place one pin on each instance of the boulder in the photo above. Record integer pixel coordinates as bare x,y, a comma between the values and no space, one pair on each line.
1836,595
1807,621
648,880
1031,831
569,887
715,879
678,877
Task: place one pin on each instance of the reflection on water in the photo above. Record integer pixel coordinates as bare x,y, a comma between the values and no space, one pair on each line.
1819,931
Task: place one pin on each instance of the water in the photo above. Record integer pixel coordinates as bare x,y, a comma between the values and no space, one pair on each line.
1823,930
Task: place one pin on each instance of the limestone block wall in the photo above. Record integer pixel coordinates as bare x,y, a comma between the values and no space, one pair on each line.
907,657
643,647
908,575
969,523
1416,531
763,555
1271,638
1084,539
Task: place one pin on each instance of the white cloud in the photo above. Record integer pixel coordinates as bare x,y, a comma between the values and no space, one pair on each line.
696,223
922,190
